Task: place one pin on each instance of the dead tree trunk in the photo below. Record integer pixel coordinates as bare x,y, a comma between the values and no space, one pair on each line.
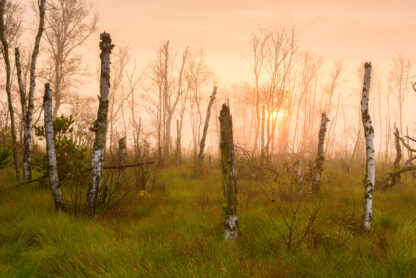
50,147
8,85
369,136
100,125
396,164
320,156
122,152
229,175
204,134
178,151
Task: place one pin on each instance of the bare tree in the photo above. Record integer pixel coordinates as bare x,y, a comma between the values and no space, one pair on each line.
167,85
274,52
204,133
10,28
28,99
305,109
333,102
69,24
197,77
399,77
369,136
258,43
100,125
117,95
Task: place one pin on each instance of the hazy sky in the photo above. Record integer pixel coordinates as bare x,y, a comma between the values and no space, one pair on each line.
350,30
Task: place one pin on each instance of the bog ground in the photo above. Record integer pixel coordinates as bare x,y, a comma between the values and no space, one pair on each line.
176,231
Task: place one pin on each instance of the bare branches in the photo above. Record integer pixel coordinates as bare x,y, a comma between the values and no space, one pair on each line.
69,24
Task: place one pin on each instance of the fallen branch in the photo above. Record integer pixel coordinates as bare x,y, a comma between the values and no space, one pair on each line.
402,170
126,166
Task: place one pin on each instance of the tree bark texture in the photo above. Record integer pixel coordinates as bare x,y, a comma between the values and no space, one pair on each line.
229,175
320,155
370,160
100,125
50,147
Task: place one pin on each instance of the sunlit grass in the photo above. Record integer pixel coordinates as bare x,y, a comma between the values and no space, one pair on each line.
176,232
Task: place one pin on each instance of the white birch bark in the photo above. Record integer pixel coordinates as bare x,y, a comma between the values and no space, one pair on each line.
50,147
100,125
370,160
204,134
229,175
320,155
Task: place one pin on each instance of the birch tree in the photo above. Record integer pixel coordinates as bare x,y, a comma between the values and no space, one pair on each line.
369,136
100,125
50,147
229,175
7,29
26,100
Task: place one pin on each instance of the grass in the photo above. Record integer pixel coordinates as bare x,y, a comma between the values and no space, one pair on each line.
176,232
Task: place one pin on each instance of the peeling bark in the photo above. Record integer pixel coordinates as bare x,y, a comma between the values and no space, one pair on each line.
50,147
320,156
229,175
100,125
204,134
370,161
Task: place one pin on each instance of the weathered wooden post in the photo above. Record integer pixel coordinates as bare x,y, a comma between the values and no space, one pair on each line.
320,155
229,175
100,125
204,133
369,150
50,148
